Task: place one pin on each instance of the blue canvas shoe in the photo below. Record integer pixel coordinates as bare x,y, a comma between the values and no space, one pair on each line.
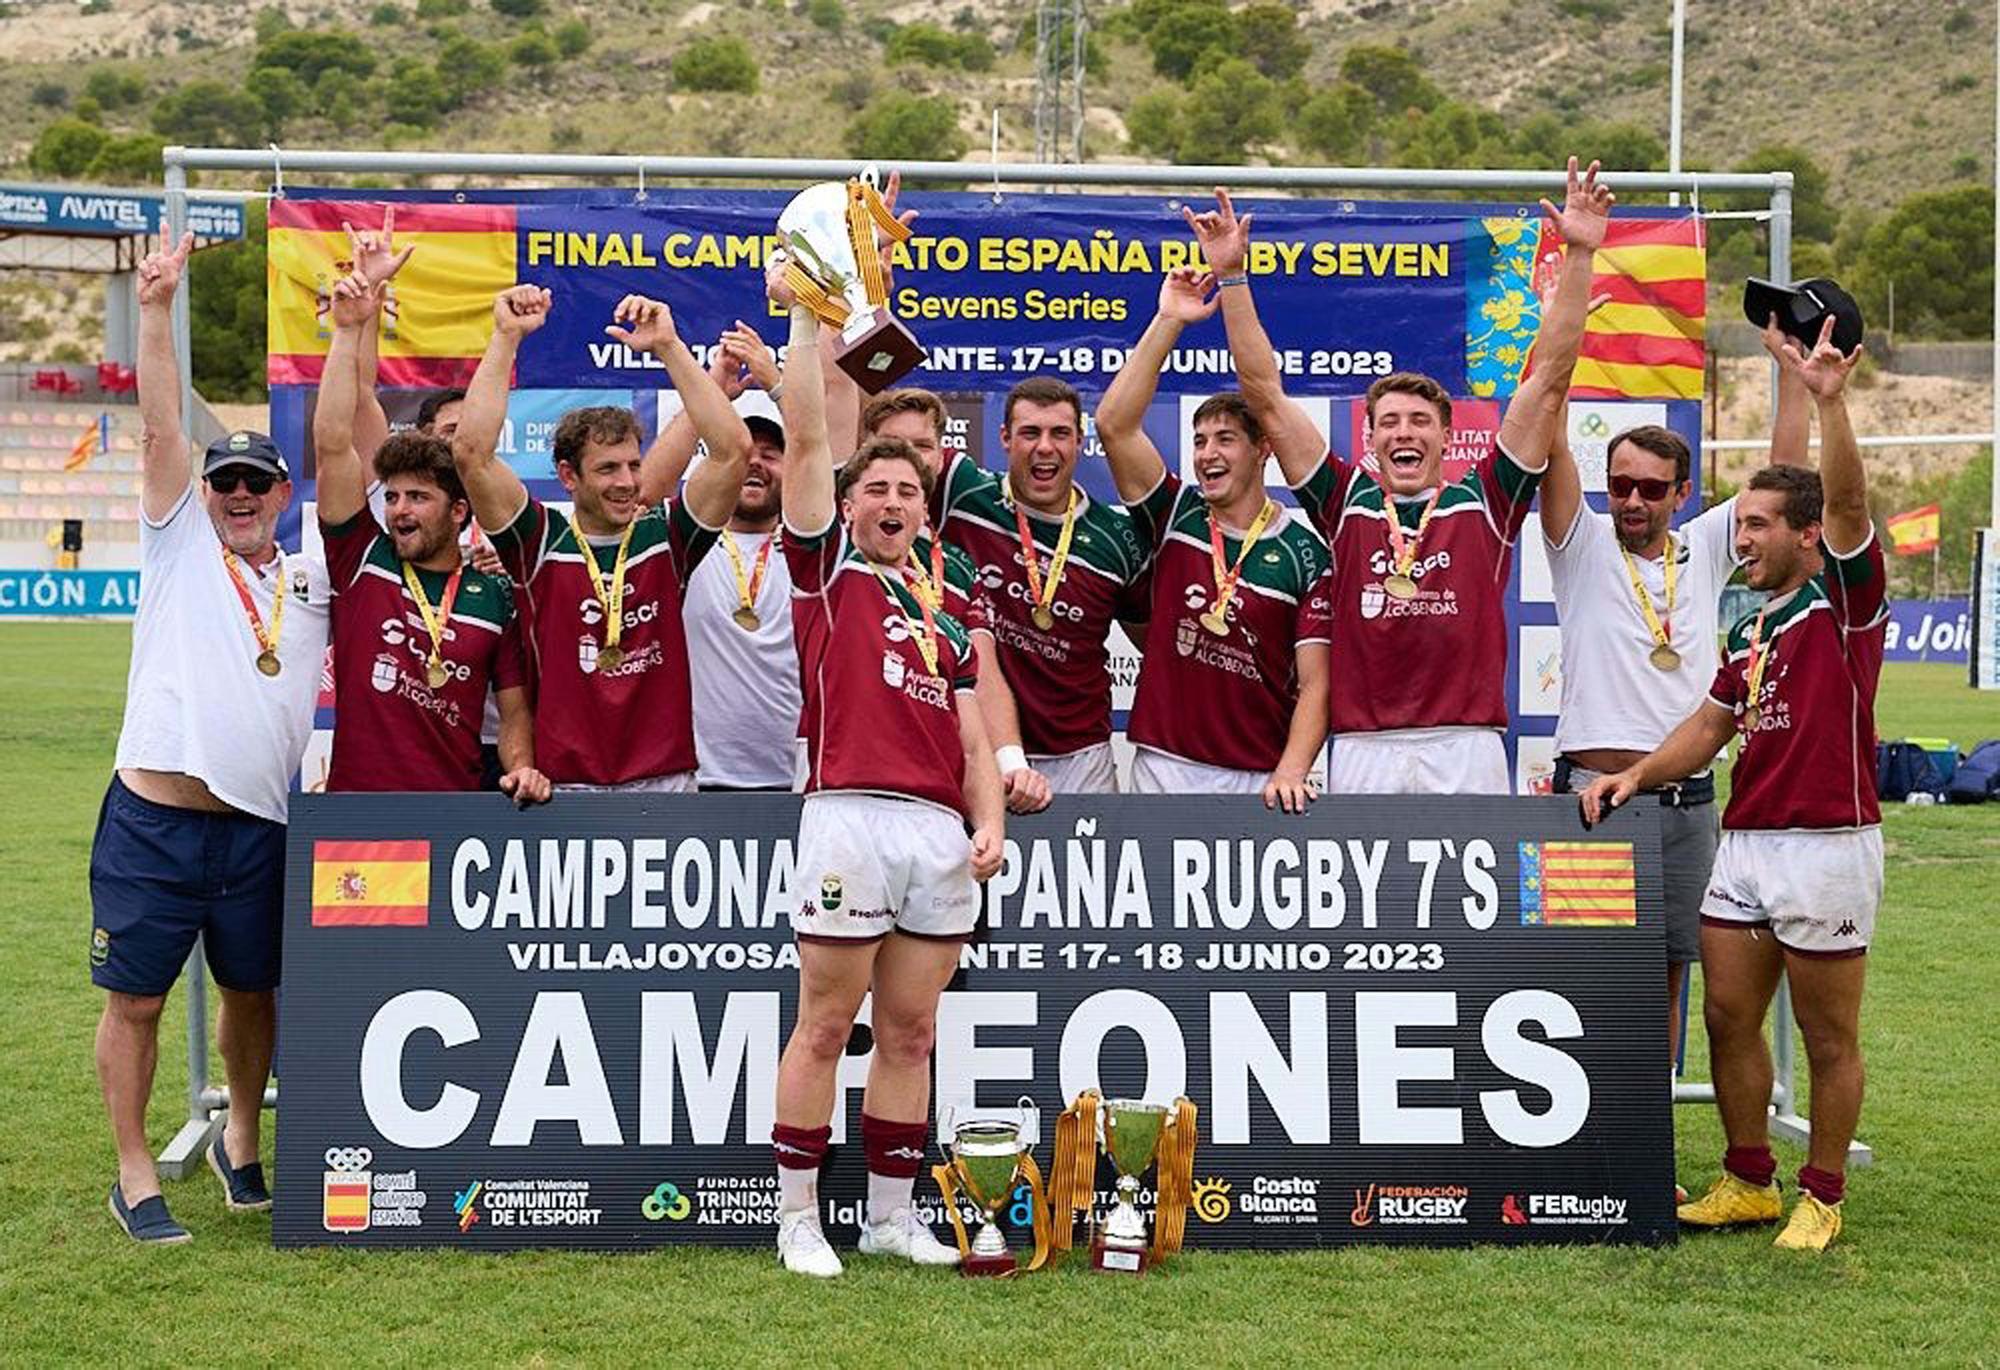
243,1186
148,1221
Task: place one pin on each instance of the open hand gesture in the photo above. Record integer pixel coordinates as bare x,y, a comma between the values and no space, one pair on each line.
647,325
160,272
374,255
1586,211
1188,295
746,349
1826,368
520,310
1224,238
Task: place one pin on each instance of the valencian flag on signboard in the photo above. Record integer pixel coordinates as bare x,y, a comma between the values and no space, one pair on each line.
1915,530
371,884
1578,884
440,308
92,441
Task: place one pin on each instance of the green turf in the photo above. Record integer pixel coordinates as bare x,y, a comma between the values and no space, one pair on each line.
1904,1284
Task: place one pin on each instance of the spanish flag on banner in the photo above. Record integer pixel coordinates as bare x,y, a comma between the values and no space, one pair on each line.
441,304
1645,341
1578,884
1916,530
371,884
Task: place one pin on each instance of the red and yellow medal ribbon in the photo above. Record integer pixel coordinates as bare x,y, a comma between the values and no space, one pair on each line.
926,634
434,619
748,586
929,587
1403,547
1031,559
1660,625
1227,576
267,639
1759,656
612,597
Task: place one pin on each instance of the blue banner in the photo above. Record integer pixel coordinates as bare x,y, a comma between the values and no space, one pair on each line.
1929,630
68,594
97,213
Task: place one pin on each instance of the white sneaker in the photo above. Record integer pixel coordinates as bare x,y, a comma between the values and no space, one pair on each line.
904,1234
802,1246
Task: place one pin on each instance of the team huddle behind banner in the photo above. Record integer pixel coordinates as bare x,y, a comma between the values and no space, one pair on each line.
1403,1020
998,289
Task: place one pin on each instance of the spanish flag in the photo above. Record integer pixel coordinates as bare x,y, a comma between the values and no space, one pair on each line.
371,884
1578,885
1915,530
1645,341
91,442
440,307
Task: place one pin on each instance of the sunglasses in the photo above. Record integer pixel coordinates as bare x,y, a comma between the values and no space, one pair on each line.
225,481
1621,487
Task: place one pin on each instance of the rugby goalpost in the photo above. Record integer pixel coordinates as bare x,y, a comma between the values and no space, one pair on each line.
206,1099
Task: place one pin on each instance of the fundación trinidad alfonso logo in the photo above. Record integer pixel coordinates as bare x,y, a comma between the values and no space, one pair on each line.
371,884
666,1201
1210,1199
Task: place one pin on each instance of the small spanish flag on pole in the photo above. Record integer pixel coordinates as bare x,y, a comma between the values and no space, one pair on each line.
371,884
89,443
1914,531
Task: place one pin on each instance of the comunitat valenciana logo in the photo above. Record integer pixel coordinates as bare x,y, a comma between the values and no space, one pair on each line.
666,1201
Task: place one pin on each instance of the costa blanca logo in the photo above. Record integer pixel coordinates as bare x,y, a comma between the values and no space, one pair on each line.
666,1201
383,674
1211,1201
1410,1205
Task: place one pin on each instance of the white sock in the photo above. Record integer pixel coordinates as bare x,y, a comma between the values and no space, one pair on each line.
887,1193
797,1189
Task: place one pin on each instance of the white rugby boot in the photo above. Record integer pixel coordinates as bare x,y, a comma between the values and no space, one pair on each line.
803,1248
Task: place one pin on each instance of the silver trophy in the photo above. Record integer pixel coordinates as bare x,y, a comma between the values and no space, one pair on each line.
1132,1131
831,235
987,1154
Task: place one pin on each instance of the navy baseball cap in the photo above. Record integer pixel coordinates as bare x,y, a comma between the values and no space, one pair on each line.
245,448
1803,308
763,426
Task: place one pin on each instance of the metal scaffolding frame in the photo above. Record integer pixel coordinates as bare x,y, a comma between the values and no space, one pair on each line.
183,1154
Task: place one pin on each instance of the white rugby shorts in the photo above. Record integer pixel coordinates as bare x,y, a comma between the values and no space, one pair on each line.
1156,772
1091,770
1816,891
1419,761
869,865
680,782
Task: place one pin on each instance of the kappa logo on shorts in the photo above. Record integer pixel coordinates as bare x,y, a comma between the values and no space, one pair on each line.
100,946
1847,929
831,892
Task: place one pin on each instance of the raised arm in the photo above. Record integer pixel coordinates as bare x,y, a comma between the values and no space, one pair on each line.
671,453
164,466
343,487
1537,405
1225,242
1842,478
808,485
496,492
1136,465
648,326
1561,492
376,260
1791,430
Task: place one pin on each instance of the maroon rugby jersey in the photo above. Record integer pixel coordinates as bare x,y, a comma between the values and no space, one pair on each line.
1224,701
1061,675
392,730
1810,762
1439,659
597,727
877,719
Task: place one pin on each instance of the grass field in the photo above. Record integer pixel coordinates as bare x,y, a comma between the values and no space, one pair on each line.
1903,1285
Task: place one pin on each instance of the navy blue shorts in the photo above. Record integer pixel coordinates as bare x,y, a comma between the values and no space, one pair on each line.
161,875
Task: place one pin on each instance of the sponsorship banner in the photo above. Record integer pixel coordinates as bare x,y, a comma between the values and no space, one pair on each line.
1417,1021
1984,658
1928,630
69,594
102,213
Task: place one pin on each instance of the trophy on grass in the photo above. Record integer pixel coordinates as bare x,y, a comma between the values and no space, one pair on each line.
1135,1134
989,1156
833,265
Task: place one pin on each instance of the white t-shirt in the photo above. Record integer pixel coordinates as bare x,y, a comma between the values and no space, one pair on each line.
195,701
1612,696
746,684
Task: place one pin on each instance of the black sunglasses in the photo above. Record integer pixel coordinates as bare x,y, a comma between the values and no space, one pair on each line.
1621,487
225,481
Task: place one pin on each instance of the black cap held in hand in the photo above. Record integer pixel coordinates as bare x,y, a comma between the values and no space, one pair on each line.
1802,308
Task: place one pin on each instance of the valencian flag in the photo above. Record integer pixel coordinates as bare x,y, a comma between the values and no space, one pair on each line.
1915,530
440,307
1645,340
1578,885
92,441
371,884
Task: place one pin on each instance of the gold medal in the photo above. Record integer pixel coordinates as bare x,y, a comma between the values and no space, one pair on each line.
434,619
1753,684
1664,658
609,594
608,658
267,662
746,619
436,674
1403,549
748,583
1660,626
1400,586
1216,622
1042,591
1750,717
1043,618
267,638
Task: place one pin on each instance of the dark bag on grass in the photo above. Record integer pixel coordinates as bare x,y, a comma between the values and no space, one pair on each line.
1903,769
1978,776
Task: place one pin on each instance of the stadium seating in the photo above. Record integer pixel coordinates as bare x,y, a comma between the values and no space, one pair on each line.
37,493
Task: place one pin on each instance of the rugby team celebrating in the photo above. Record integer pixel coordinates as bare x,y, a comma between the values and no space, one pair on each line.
835,604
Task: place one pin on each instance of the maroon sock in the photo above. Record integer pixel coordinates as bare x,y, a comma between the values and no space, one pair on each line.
893,1149
1751,1164
799,1148
1825,1185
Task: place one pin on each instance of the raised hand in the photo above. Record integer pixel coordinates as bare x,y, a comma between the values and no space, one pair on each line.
746,349
1188,296
1586,210
1224,238
1773,338
519,310
160,272
353,302
374,255
641,324
727,372
776,288
1826,369
909,216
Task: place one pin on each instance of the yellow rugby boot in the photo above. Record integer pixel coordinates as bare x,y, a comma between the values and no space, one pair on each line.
1731,1202
1813,1227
